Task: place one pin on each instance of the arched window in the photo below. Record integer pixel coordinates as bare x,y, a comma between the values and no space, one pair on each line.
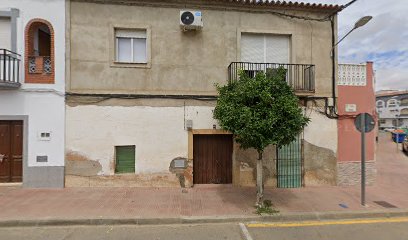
380,104
392,103
39,52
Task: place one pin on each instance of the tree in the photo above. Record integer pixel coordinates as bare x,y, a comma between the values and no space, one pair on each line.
260,111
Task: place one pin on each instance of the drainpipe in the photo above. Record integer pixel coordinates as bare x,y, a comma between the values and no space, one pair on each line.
333,66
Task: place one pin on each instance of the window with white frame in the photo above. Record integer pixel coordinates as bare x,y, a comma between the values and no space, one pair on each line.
131,45
392,103
380,104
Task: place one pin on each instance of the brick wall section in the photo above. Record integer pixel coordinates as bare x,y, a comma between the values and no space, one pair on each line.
349,173
39,76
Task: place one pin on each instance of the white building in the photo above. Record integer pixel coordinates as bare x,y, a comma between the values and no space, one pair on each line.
392,108
32,106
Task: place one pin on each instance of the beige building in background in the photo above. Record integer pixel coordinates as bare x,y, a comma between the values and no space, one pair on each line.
141,91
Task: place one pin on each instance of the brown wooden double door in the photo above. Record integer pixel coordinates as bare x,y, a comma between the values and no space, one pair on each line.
11,151
212,162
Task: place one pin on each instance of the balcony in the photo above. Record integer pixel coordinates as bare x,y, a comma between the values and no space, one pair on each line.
39,64
9,69
301,77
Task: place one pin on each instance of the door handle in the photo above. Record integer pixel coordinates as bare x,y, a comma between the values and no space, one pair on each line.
2,156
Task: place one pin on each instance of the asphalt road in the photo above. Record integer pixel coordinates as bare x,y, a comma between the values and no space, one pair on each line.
387,229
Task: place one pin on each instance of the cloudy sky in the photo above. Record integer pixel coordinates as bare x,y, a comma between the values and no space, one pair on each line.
384,40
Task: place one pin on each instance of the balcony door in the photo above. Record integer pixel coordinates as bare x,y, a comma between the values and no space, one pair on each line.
5,33
264,48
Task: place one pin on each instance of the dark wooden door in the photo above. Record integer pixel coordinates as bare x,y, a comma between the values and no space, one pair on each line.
11,151
212,161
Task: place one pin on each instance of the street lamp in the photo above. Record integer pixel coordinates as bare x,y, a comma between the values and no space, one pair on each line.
361,22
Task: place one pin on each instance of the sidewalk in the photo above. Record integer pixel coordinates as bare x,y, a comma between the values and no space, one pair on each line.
207,202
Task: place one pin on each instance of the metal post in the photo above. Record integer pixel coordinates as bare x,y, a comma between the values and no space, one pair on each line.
397,137
363,127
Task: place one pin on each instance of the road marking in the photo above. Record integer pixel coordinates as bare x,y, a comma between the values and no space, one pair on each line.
324,223
245,232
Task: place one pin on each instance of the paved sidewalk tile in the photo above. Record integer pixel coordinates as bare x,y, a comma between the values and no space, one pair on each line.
82,203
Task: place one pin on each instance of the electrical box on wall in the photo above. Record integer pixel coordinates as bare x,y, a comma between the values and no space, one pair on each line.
351,108
44,136
189,124
191,20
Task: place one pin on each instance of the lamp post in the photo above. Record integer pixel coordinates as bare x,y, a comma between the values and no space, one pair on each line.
397,132
361,22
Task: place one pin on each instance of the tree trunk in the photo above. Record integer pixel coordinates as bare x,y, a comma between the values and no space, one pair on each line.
259,180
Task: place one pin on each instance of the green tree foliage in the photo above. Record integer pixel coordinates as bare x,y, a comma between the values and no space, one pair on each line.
260,111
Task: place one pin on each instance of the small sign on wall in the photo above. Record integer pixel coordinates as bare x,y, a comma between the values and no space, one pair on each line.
351,108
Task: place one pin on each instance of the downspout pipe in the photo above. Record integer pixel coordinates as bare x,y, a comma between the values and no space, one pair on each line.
333,66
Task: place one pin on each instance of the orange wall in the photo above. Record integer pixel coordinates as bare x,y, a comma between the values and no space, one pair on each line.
349,140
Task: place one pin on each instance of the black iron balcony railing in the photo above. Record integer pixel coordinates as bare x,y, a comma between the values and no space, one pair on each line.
9,69
301,77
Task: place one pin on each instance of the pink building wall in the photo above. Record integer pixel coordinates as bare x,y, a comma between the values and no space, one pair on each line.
349,138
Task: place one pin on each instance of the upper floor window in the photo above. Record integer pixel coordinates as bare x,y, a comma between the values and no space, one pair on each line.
404,102
131,45
264,48
39,52
392,103
404,112
380,104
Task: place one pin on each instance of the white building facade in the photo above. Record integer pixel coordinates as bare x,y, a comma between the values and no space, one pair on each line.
392,109
32,83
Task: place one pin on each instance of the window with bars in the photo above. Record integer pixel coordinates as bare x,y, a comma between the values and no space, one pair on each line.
131,45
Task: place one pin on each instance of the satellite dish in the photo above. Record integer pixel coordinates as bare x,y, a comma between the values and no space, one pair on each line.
187,18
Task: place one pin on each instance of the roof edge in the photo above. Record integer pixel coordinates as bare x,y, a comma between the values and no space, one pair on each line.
233,4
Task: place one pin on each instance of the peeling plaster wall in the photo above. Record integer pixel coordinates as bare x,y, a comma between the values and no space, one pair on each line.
160,137
321,131
320,149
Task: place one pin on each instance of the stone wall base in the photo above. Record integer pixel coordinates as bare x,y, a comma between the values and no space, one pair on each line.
349,173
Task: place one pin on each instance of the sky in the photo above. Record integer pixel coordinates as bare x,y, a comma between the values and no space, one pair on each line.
384,40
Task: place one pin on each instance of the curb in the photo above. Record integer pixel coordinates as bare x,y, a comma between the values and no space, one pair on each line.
282,217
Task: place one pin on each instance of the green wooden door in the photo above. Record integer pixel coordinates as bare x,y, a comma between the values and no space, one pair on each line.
125,159
289,165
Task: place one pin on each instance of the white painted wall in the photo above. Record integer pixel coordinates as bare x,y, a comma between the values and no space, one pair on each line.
157,132
43,103
321,131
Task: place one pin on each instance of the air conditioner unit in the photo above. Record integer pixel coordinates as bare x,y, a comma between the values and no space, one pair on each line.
190,20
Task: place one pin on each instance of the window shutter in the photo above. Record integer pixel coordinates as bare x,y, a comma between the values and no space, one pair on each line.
264,48
277,49
252,48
